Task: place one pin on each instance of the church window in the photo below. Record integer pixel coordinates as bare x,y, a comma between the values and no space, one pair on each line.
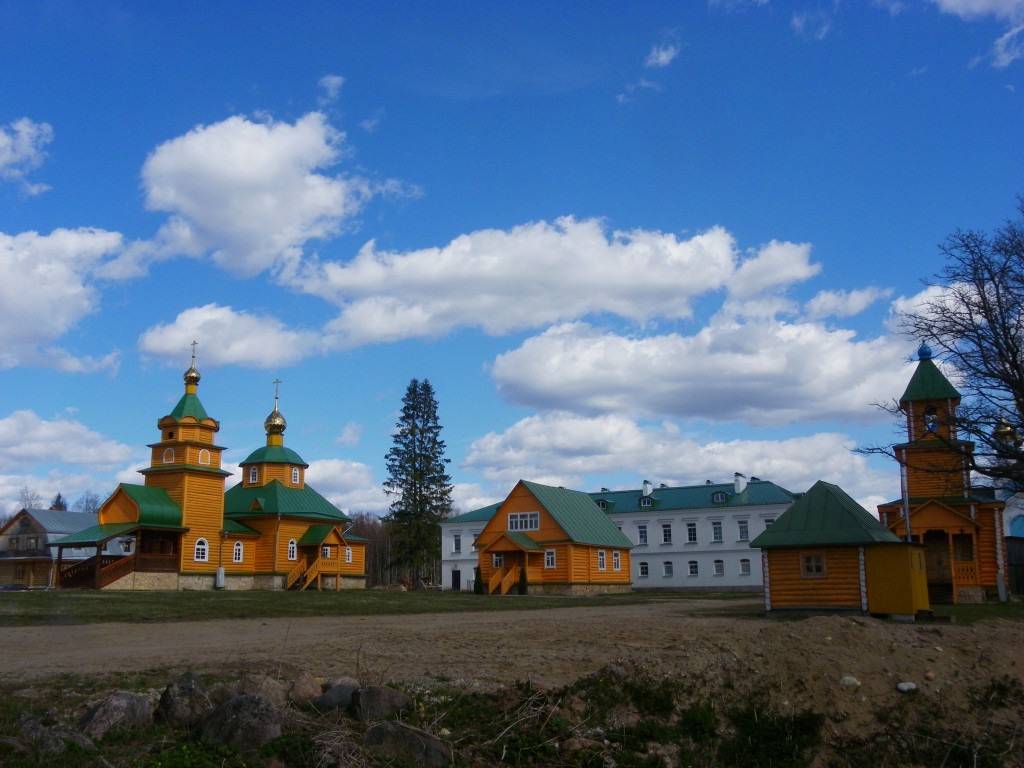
295,475
293,550
168,455
238,552
202,551
254,474
204,456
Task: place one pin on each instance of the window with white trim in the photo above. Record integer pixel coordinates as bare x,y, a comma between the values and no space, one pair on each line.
237,553
616,560
666,533
293,550
201,554
645,501
254,474
549,558
666,568
497,561
718,497
348,554
295,475
641,535
456,542
204,456
600,560
716,531
812,565
719,567
694,569
744,567
325,551
644,571
168,455
768,522
744,530
524,521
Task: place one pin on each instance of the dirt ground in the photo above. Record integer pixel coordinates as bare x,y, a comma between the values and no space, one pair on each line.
801,661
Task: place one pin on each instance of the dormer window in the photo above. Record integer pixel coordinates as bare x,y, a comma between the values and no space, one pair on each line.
718,497
645,501
602,504
254,475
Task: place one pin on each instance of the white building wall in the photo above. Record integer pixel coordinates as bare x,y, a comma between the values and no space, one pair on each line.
458,554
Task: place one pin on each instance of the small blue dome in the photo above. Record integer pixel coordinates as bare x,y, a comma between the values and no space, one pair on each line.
924,352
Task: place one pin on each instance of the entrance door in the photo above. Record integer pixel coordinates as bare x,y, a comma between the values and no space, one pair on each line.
940,574
456,580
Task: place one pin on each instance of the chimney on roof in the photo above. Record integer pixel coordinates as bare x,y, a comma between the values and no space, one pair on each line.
647,488
739,482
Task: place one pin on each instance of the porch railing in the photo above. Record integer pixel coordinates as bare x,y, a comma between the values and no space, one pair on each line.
965,573
295,573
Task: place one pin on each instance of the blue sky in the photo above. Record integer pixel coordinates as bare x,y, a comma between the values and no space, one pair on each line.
623,240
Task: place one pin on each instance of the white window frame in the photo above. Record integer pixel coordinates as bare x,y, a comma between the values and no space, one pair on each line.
744,530
238,553
667,570
348,554
691,533
168,457
641,535
293,550
524,521
768,522
693,568
644,571
616,560
254,474
497,561
717,536
325,551
719,567
204,456
550,558
457,543
295,475
201,551
602,561
645,501
744,567
666,533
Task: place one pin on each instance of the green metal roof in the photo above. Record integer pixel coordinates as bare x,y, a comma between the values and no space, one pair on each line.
274,454
316,534
929,383
276,498
96,534
523,540
481,515
156,508
824,516
577,514
241,529
757,493
189,405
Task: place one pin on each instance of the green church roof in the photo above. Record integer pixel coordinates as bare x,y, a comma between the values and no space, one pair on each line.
276,498
928,382
156,508
189,405
577,514
824,516
274,454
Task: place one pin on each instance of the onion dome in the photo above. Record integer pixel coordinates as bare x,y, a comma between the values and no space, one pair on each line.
275,423
924,352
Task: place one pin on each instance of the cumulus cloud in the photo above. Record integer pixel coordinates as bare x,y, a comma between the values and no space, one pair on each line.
48,287
28,442
349,485
330,85
843,303
774,266
527,277
230,337
562,448
350,434
23,149
766,373
252,193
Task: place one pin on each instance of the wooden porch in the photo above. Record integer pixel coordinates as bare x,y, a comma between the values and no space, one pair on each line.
100,571
311,572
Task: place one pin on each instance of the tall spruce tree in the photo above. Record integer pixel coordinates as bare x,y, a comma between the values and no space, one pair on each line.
418,483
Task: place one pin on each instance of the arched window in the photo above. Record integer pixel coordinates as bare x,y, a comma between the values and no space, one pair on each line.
204,456
254,474
168,455
237,555
295,475
293,550
202,551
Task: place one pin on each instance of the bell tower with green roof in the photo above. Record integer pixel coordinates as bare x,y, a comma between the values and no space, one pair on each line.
186,463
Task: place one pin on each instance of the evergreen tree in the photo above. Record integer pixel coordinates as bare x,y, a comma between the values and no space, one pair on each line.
59,503
418,483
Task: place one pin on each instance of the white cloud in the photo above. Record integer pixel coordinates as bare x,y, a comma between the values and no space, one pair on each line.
349,485
969,10
47,288
28,442
843,303
350,434
230,337
331,87
560,448
1008,48
811,25
661,55
765,373
526,277
22,149
253,193
774,266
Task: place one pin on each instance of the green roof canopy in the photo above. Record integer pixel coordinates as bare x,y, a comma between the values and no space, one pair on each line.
97,534
274,454
156,508
275,498
824,516
189,405
579,516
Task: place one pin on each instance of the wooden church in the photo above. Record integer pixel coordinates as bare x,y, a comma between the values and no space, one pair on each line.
181,531
961,527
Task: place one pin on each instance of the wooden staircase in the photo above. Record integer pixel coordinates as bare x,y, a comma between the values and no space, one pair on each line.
503,579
